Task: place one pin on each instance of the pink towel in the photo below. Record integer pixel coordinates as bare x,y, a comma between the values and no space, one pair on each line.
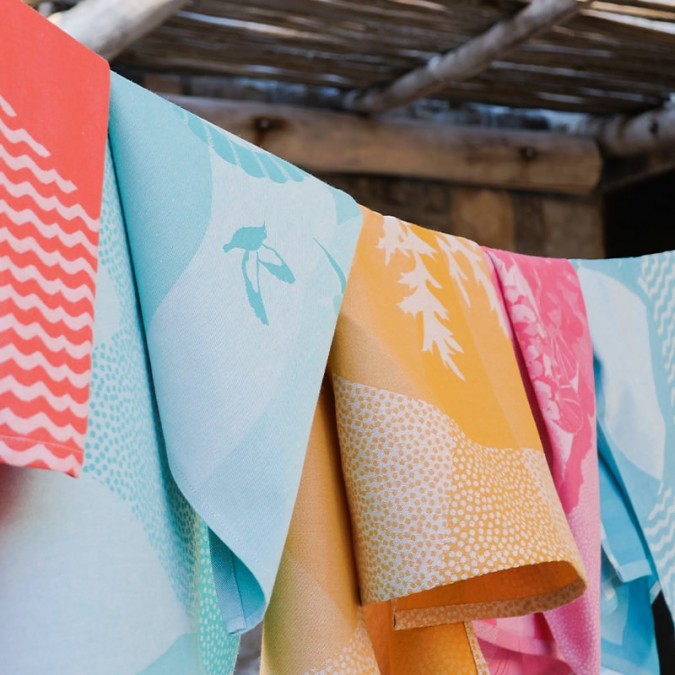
543,300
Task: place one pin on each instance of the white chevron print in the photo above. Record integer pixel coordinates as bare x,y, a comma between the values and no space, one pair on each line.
49,258
658,282
40,453
6,107
22,136
10,352
25,426
26,189
39,389
34,330
31,301
44,176
33,273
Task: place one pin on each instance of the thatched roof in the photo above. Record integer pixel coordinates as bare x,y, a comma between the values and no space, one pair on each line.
610,57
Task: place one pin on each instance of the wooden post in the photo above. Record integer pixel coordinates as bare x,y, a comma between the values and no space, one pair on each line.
468,60
108,26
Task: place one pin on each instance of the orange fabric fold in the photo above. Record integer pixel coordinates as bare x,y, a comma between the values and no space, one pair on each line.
437,470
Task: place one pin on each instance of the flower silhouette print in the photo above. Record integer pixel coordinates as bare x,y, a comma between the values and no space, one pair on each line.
251,240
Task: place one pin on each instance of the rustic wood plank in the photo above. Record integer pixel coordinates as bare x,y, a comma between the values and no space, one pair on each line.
468,60
333,142
484,216
574,228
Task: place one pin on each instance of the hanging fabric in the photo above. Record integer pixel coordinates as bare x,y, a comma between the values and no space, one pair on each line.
53,119
632,319
111,573
545,308
453,511
241,261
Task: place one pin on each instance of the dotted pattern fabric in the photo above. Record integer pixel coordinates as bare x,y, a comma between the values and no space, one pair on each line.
431,507
124,446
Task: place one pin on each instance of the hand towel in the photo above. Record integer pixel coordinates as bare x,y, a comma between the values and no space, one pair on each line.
545,308
631,310
241,262
53,119
111,573
451,505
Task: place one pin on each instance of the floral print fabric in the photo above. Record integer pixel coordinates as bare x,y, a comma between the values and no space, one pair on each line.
544,304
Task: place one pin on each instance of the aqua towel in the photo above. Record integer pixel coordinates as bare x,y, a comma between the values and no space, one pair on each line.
110,573
241,261
631,308
628,577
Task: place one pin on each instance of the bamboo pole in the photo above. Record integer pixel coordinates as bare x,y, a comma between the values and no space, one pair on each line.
468,60
107,27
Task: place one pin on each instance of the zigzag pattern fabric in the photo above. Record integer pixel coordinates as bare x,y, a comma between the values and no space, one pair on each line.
49,207
657,279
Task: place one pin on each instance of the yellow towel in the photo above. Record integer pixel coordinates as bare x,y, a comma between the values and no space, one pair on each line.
451,504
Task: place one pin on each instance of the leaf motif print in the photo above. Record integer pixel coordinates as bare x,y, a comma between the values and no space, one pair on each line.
399,238
339,273
275,264
454,246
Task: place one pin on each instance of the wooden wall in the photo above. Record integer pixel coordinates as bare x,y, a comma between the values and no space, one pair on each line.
534,223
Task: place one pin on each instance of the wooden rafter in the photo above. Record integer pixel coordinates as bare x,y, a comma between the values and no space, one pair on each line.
466,61
329,142
623,135
107,27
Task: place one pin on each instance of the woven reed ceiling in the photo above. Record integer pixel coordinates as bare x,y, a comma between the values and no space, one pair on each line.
611,57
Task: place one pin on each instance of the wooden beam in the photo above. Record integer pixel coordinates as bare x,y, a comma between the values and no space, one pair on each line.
108,26
468,60
331,142
624,135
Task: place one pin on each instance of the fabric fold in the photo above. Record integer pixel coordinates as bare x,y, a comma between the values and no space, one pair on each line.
454,513
442,478
240,262
632,315
111,573
628,579
544,304
315,622
52,151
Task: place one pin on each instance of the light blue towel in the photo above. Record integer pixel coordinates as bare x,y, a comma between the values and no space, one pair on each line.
110,573
241,261
631,310
627,580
